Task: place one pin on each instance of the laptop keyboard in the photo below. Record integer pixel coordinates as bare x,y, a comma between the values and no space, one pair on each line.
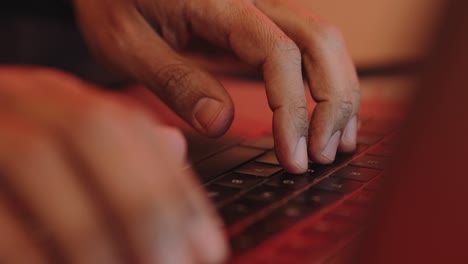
320,210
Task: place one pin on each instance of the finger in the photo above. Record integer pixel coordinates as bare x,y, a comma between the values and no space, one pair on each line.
16,245
331,76
130,44
207,233
34,168
140,183
206,236
241,27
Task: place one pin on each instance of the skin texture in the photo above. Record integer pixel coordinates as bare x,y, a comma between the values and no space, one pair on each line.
140,38
91,178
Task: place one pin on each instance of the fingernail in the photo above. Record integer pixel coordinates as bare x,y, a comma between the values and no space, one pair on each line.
350,132
209,241
329,152
300,154
206,112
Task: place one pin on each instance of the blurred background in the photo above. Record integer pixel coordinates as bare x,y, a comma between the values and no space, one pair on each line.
379,33
382,31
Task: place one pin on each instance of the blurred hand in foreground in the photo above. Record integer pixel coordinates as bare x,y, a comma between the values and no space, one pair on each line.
86,177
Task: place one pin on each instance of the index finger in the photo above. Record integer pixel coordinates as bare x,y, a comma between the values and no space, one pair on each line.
258,41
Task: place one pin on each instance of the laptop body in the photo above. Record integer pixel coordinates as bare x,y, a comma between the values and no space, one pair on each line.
330,214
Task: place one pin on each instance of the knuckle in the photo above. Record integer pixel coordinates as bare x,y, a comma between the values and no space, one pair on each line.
301,113
286,47
345,108
329,35
176,80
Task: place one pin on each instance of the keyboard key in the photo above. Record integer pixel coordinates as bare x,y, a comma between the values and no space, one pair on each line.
214,166
265,142
219,194
280,220
243,242
339,185
266,194
268,158
258,169
342,158
292,212
316,198
356,173
371,162
266,228
240,181
290,181
237,210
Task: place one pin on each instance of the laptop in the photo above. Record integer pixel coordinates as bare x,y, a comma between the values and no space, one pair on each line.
399,198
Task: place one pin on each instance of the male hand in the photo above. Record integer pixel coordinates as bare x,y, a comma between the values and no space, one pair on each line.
140,38
86,177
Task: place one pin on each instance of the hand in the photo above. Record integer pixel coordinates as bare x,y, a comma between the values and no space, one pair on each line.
140,38
89,178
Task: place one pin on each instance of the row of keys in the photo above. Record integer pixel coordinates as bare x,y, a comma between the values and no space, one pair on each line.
321,195
312,239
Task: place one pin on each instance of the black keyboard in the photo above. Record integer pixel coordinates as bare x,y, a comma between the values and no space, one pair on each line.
320,210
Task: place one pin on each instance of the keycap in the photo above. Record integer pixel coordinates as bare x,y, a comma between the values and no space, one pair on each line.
356,173
342,158
240,181
266,228
219,194
290,181
214,166
237,210
339,185
268,158
266,194
265,142
371,162
243,242
258,169
316,198
292,212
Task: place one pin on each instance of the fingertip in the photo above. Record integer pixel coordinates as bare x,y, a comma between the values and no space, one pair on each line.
327,154
300,156
294,160
348,140
213,117
209,241
175,139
